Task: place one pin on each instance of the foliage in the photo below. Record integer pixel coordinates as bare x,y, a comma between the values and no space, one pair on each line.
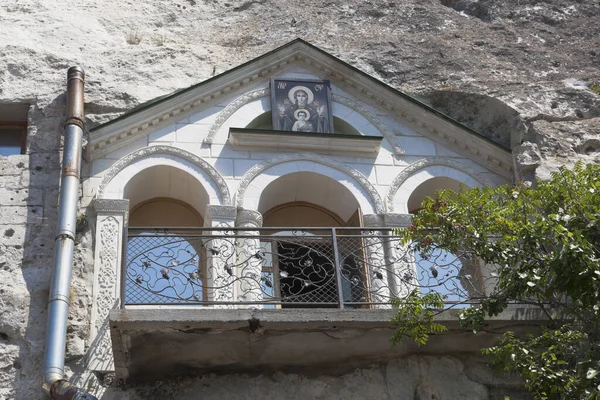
559,363
415,317
545,244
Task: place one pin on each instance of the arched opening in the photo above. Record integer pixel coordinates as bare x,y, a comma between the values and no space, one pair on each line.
165,261
165,182
429,188
300,262
163,212
312,188
265,121
456,277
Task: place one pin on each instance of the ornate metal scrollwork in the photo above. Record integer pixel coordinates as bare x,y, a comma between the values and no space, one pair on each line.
297,268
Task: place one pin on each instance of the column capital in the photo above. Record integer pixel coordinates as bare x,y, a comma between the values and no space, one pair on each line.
111,206
248,218
397,220
218,213
388,220
373,220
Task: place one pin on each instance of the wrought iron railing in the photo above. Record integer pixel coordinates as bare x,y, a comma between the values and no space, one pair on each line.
291,267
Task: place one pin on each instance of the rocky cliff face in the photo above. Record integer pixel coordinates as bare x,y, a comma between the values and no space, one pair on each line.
501,66
518,71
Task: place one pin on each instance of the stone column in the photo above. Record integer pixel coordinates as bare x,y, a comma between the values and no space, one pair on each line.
400,258
111,224
250,257
220,255
378,266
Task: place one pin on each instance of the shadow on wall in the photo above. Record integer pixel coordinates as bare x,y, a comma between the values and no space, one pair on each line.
487,115
33,208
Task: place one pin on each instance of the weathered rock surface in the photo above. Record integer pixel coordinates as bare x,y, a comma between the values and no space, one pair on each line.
517,71
494,65
411,378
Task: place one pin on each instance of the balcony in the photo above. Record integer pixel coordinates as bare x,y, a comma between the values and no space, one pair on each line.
234,299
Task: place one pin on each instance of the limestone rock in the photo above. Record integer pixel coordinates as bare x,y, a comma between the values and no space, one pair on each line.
517,71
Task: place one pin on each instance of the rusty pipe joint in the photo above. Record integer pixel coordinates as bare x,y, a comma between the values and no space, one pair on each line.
75,82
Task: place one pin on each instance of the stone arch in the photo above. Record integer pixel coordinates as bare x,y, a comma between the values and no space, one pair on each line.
117,176
256,180
417,173
261,95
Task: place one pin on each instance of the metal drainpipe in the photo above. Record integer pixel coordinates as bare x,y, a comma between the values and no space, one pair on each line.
55,384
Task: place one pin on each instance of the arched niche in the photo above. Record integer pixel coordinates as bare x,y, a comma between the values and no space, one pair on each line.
328,173
429,188
424,177
176,163
173,185
164,211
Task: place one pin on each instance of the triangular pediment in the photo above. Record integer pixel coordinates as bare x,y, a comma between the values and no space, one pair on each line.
246,79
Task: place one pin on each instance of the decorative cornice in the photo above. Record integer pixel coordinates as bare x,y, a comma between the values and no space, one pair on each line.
388,220
186,155
281,141
417,116
105,140
431,161
111,205
217,212
248,218
397,220
259,168
373,221
232,108
372,118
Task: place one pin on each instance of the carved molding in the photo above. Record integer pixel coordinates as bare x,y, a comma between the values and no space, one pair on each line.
372,118
186,155
397,220
259,168
111,206
427,162
248,218
105,292
388,220
372,220
231,109
111,137
216,212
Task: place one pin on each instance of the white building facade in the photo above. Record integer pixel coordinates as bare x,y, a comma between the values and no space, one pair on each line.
207,216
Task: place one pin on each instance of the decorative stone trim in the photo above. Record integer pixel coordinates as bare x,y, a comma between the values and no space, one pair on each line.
106,289
146,151
248,218
431,161
231,109
216,212
265,140
113,136
259,168
397,220
111,205
373,221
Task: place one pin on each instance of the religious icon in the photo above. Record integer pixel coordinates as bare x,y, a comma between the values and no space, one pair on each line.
301,106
